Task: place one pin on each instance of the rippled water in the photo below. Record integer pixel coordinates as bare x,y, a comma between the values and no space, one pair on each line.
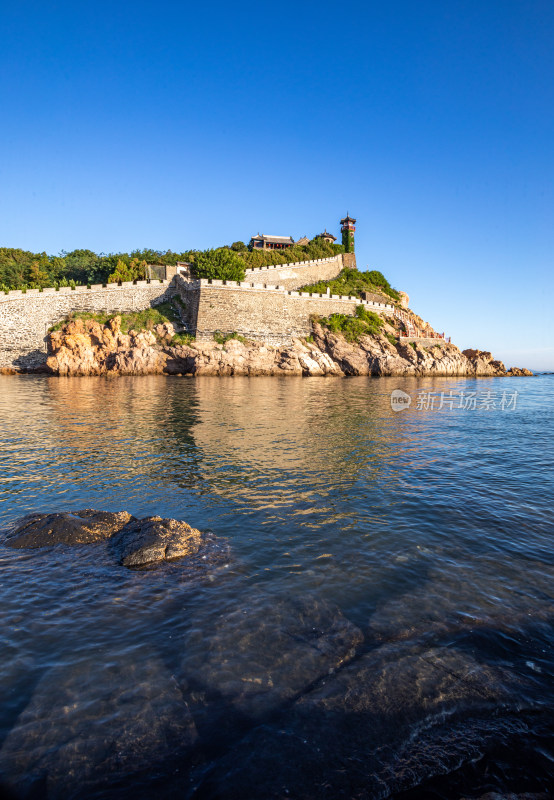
416,546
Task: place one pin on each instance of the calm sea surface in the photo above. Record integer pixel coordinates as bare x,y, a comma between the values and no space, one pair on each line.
428,530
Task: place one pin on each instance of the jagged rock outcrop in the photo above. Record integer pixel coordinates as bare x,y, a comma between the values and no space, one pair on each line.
85,347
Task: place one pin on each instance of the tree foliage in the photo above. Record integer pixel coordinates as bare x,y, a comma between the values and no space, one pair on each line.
22,268
135,270
221,264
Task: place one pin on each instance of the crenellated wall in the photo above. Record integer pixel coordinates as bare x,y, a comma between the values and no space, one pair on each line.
301,273
257,309
263,312
26,316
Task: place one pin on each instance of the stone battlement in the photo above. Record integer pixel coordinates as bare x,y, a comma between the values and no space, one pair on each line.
302,273
79,290
274,313
25,317
265,312
293,264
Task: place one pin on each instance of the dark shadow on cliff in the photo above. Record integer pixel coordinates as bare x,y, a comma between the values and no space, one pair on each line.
34,361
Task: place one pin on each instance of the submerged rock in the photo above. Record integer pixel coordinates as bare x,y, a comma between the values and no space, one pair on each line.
153,539
79,527
383,724
90,725
262,654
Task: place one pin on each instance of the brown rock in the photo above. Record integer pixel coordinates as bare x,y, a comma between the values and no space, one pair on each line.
90,725
81,527
519,372
152,540
83,347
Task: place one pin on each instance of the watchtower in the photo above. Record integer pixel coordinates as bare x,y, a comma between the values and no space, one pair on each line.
347,230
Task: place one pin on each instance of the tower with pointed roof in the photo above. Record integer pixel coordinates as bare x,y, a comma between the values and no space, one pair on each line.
347,229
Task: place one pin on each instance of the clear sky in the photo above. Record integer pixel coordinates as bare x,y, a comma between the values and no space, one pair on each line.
188,125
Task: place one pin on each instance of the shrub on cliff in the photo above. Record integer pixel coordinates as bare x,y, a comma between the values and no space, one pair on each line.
365,323
221,264
353,282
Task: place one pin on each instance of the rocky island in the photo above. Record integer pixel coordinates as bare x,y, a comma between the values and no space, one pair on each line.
276,307
87,347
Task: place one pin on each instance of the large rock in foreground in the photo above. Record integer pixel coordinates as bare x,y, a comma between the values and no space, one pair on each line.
383,725
153,539
262,655
134,542
79,527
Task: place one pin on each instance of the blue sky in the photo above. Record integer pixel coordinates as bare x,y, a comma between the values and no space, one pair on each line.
180,125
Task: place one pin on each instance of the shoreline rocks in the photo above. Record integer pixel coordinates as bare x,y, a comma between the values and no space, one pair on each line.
133,542
71,528
85,347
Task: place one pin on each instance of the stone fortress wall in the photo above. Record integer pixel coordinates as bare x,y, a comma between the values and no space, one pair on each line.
299,273
262,312
26,316
273,312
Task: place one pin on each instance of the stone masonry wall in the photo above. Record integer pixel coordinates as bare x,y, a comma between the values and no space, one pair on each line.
26,317
257,309
302,273
265,313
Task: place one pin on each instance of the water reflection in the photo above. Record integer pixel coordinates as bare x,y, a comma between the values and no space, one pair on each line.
415,532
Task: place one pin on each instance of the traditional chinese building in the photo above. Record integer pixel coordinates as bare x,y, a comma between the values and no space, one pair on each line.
347,230
263,242
327,237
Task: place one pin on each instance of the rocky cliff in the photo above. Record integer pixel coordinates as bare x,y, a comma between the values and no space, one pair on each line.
85,347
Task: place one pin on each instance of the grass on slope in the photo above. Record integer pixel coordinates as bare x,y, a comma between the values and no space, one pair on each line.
144,320
365,323
353,282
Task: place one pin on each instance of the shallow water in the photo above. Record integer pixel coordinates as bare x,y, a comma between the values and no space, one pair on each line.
418,544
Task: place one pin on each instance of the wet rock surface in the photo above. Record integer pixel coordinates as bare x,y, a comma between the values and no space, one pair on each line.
90,726
256,658
84,347
382,725
153,540
79,527
131,542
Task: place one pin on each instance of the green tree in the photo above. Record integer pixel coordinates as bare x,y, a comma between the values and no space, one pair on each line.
57,268
221,264
239,247
135,270
37,277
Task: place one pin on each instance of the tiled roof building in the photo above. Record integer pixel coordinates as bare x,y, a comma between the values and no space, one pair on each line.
263,242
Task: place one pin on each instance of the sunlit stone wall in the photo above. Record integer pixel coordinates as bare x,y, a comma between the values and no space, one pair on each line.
261,312
26,316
